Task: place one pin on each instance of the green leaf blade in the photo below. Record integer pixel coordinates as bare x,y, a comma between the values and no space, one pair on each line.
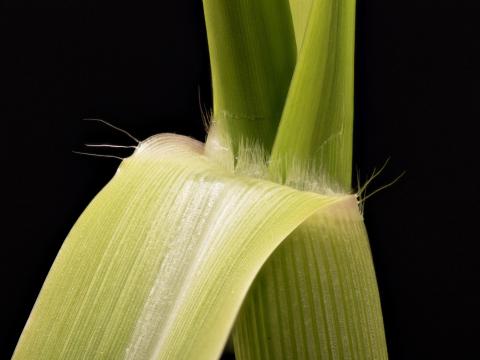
300,10
159,263
316,128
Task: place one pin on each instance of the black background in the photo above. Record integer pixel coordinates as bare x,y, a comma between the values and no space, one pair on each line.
146,70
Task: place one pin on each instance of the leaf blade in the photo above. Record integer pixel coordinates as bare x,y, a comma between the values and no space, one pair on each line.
317,294
316,127
158,264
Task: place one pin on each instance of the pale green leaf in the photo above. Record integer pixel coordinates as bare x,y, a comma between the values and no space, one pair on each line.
316,297
159,263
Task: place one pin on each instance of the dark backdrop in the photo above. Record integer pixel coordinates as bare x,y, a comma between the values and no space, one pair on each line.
146,70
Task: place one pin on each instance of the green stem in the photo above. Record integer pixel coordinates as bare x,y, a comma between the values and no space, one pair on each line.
252,55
